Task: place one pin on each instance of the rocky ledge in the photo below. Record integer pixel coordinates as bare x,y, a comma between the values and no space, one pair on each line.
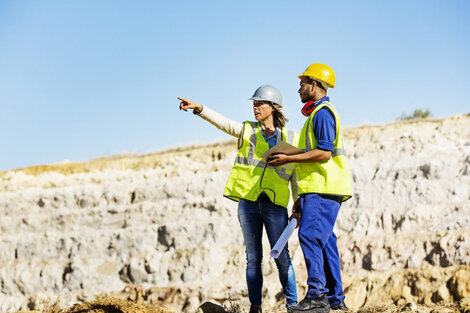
72,231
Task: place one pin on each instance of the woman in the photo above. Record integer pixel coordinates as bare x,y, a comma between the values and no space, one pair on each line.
261,191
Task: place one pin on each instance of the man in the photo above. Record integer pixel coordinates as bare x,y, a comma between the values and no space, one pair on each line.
324,183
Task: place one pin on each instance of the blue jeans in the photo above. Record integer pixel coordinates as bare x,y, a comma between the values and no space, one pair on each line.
318,243
252,215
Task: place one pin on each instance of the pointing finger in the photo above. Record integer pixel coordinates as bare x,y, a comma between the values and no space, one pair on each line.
184,100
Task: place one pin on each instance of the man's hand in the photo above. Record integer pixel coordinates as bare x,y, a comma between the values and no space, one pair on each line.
188,104
296,211
278,159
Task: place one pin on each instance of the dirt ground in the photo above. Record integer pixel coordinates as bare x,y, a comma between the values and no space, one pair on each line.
107,305
116,305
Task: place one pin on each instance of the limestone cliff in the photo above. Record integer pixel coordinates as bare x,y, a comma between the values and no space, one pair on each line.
71,231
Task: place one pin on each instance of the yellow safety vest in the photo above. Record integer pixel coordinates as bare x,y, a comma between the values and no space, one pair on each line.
329,177
251,175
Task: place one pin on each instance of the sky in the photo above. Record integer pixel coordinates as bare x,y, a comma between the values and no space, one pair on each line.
86,79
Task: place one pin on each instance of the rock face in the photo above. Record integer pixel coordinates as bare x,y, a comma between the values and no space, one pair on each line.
71,231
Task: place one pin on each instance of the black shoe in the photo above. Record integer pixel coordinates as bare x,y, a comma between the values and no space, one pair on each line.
339,307
256,309
311,305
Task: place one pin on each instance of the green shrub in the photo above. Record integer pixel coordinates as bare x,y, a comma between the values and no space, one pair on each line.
418,113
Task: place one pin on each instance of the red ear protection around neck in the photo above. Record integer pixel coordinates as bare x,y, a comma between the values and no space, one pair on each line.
308,108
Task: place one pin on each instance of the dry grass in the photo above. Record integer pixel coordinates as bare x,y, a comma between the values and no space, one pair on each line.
151,160
121,162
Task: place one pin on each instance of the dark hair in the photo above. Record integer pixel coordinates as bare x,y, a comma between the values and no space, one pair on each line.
278,117
319,83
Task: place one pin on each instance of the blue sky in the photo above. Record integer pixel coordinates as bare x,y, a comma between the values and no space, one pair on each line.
86,79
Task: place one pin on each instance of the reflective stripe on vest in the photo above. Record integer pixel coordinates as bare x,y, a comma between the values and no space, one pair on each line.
282,172
251,152
308,144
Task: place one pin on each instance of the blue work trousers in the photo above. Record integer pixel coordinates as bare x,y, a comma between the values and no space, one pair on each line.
318,243
252,216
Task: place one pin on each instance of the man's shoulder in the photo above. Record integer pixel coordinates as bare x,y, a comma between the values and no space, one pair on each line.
324,113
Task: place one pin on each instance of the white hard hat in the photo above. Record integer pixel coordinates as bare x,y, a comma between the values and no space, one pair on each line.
267,93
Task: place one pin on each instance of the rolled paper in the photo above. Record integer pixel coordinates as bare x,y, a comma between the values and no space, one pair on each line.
281,242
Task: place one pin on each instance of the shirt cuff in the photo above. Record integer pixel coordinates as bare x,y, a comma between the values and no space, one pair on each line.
197,113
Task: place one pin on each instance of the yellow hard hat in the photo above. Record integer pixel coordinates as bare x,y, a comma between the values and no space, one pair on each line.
321,72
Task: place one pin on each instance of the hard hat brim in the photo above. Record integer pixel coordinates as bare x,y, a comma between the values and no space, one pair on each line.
258,98
261,99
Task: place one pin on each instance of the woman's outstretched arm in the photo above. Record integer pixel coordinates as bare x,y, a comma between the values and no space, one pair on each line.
218,120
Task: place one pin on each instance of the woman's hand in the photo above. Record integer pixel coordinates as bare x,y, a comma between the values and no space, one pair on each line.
188,104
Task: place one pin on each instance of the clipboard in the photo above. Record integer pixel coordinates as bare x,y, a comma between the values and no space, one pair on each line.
283,147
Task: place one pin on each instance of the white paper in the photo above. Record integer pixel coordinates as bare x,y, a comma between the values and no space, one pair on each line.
283,147
281,242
